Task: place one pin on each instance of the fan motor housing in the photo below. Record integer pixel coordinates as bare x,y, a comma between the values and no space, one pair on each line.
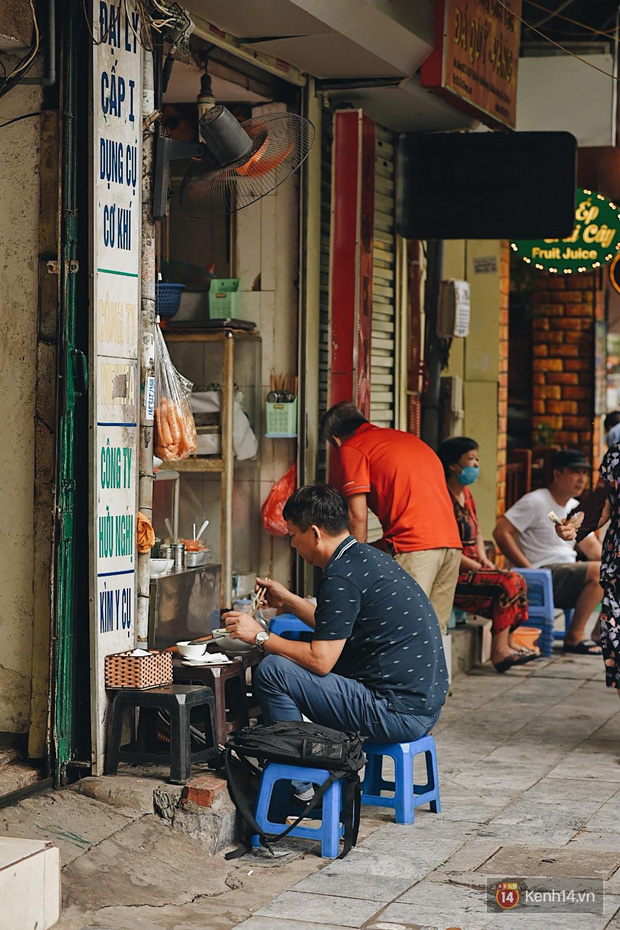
224,137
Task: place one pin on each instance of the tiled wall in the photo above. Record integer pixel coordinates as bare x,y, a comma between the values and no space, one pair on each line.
267,261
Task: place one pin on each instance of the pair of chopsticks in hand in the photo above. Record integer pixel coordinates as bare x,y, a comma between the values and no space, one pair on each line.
257,600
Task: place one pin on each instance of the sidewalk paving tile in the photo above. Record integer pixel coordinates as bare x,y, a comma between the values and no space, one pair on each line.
361,861
566,862
522,835
606,817
526,919
536,816
568,791
275,923
596,839
586,764
501,778
383,888
321,909
472,855
441,905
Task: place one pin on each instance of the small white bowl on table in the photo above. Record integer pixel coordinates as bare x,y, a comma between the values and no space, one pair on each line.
159,567
189,650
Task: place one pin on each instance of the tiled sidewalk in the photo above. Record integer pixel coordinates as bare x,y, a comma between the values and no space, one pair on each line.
530,786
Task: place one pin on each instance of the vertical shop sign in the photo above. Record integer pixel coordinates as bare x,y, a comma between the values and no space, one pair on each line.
116,167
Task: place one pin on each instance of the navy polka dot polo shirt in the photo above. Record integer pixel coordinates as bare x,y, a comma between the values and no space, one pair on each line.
393,641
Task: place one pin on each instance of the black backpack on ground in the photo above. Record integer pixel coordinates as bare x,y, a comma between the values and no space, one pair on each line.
293,742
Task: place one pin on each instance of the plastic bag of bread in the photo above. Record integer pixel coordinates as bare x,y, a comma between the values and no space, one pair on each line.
175,430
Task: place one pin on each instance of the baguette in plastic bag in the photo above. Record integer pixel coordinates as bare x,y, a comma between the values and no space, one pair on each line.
175,430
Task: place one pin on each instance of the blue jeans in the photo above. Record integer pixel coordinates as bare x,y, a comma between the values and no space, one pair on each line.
285,691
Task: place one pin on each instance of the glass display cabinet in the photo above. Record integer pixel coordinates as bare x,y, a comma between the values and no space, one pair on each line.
221,481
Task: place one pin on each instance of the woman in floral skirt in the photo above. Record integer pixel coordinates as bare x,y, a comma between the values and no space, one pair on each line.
482,588
601,505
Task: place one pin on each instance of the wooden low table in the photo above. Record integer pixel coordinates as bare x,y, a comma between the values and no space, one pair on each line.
228,683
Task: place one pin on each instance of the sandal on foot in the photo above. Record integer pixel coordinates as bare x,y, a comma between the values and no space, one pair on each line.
505,664
587,647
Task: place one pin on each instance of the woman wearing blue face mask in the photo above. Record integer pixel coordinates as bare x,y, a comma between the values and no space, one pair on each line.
482,588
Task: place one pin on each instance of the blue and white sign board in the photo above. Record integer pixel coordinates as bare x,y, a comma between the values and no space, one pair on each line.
115,387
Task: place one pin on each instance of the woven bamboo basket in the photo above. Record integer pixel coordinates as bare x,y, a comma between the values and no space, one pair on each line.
122,670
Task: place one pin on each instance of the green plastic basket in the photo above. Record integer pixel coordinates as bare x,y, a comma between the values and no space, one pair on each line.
282,420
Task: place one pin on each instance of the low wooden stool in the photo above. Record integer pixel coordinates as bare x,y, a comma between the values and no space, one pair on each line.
228,685
178,700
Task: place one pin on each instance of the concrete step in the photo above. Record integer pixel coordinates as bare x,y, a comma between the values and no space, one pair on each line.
7,755
29,884
17,775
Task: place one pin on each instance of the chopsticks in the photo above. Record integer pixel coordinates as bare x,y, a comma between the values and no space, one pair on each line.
257,600
283,384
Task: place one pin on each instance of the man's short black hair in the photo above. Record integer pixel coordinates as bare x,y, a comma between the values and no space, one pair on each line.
451,450
612,419
342,420
318,504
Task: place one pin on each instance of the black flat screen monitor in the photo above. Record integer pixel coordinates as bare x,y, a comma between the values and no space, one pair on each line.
486,185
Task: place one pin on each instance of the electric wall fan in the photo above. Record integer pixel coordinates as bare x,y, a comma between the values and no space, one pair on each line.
237,164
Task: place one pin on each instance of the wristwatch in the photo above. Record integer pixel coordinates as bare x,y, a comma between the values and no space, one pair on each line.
261,638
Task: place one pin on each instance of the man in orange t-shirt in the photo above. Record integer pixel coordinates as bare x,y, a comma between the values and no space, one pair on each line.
401,480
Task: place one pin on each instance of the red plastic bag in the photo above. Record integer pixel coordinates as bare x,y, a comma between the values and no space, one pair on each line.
271,511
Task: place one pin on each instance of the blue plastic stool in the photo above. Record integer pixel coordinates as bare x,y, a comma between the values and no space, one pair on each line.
561,634
540,605
328,832
290,627
407,795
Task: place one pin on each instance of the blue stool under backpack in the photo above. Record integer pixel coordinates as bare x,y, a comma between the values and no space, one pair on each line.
291,627
274,792
407,795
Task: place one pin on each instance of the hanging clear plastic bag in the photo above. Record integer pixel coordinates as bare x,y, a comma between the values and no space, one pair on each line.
175,430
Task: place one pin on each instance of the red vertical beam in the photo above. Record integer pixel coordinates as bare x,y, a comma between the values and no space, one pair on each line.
353,198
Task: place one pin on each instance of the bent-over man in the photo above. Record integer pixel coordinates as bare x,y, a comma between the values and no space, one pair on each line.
375,663
401,479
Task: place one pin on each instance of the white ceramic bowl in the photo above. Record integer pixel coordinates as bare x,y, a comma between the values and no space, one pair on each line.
160,566
191,650
230,646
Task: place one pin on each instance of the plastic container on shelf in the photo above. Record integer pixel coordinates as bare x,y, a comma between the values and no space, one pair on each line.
224,298
167,299
282,420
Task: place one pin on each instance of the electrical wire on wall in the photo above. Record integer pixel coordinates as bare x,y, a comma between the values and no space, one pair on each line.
11,79
562,48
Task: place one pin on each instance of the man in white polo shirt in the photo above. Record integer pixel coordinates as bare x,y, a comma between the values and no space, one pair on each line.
527,537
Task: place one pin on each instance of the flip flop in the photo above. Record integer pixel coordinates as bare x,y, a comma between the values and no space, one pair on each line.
584,648
505,664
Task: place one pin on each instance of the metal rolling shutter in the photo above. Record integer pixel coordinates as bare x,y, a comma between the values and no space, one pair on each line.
382,410
382,357
382,395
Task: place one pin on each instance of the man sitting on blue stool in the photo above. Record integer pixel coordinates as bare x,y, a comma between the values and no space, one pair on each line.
375,664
